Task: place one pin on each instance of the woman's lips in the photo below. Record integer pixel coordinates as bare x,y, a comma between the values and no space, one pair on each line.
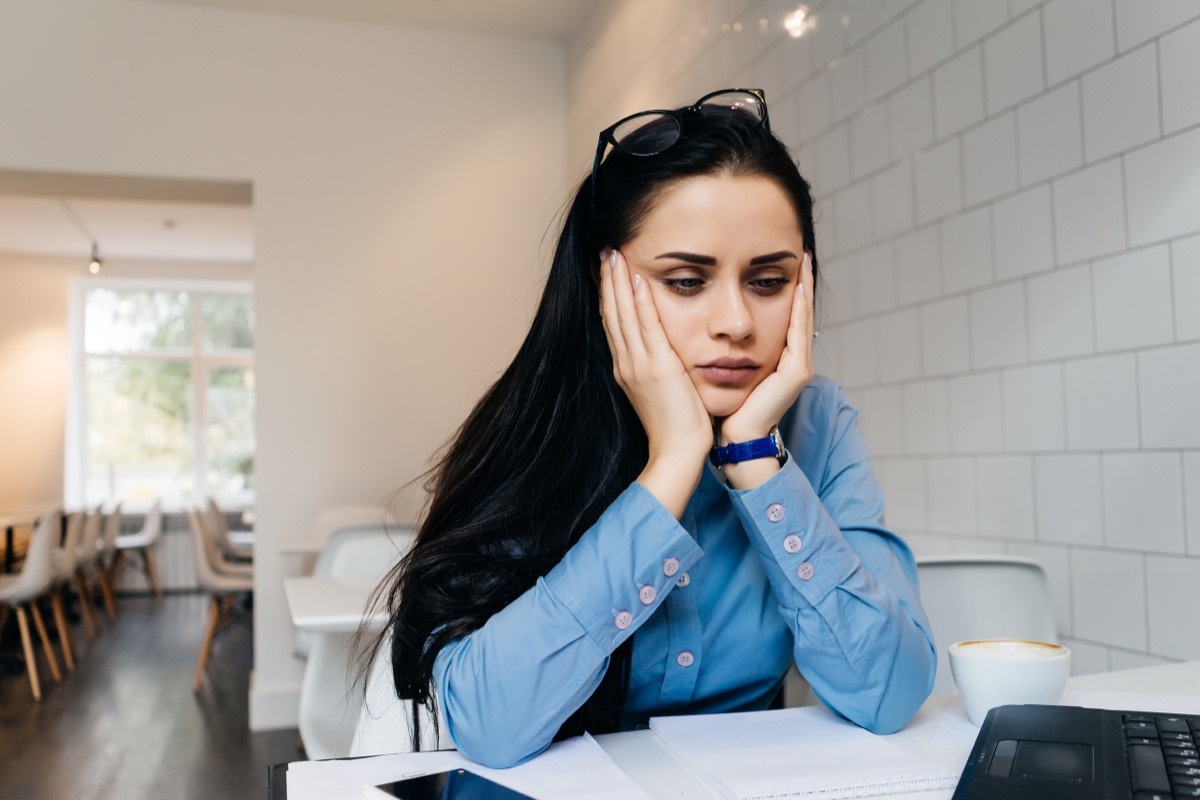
729,370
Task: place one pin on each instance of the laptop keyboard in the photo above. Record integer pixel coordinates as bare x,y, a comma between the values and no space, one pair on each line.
1163,760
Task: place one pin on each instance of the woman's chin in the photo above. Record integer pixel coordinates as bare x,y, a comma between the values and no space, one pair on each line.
721,402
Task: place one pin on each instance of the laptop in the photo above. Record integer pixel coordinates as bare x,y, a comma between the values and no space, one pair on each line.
1032,752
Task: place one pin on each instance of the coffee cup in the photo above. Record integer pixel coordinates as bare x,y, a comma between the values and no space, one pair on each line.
998,672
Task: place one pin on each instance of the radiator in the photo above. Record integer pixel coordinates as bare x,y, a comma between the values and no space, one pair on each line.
172,556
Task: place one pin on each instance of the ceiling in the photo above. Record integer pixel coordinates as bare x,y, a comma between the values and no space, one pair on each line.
541,19
46,214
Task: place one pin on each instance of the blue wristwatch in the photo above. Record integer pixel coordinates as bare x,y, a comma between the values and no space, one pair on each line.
768,446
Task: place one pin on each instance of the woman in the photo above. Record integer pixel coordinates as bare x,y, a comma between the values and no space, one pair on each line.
581,565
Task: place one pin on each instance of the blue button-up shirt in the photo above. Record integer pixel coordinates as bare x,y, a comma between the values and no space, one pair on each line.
720,604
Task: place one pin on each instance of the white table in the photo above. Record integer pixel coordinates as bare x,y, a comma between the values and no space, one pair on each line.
652,764
644,757
330,605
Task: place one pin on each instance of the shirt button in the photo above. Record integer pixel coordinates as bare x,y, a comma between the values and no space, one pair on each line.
670,567
647,595
624,620
775,512
805,571
684,580
792,544
685,659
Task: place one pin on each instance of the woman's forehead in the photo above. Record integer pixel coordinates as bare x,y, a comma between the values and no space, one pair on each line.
720,211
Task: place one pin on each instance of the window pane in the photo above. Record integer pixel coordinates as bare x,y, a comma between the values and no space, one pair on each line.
228,321
138,430
122,321
230,434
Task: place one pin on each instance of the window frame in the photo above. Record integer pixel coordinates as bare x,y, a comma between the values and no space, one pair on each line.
201,362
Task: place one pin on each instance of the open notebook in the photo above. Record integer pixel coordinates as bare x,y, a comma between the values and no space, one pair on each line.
796,753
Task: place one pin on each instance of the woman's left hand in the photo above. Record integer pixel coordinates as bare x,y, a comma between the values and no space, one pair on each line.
772,398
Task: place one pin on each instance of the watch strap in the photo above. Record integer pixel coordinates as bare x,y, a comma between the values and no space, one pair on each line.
767,447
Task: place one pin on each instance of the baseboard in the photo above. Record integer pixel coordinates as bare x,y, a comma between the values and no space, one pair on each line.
273,707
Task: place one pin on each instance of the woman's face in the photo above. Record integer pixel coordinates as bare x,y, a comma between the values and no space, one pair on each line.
722,256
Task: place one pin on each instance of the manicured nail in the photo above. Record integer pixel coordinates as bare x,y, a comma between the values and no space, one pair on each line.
604,254
612,259
637,282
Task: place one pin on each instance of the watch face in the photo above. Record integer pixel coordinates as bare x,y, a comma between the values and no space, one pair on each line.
780,450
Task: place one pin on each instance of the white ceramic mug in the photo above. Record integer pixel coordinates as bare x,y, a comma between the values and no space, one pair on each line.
998,672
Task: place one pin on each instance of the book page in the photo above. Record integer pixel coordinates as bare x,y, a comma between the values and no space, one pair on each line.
796,752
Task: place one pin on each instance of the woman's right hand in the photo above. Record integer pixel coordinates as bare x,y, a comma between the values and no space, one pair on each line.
647,368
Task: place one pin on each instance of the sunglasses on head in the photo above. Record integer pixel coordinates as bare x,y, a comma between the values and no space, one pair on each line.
648,133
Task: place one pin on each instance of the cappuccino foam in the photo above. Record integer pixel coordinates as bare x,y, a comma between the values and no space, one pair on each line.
1010,648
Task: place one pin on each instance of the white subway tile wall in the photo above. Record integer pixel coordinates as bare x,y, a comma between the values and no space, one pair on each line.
1008,206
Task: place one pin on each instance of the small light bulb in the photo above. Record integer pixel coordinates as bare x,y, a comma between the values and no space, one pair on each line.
94,267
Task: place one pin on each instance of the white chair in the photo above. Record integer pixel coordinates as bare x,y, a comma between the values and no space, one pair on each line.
143,543
224,591
107,557
330,519
983,597
86,563
359,551
385,721
234,544
217,560
329,709
62,561
22,591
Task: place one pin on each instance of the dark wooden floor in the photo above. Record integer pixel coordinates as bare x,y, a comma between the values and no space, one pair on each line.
125,724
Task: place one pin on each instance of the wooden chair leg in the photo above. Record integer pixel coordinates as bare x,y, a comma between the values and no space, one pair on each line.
46,648
151,573
214,612
30,662
85,604
106,591
64,632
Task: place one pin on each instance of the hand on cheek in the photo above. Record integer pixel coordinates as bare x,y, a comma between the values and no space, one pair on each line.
771,399
649,371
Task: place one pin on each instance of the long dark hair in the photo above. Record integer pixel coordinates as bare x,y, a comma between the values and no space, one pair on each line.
554,442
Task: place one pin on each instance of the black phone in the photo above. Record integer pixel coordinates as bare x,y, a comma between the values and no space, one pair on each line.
455,784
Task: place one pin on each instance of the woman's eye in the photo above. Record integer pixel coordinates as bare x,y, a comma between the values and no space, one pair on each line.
769,286
684,286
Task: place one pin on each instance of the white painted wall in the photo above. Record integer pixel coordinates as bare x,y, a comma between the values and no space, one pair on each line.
33,372
1009,219
402,179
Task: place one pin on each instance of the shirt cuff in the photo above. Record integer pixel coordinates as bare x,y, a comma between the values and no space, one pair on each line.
800,544
623,567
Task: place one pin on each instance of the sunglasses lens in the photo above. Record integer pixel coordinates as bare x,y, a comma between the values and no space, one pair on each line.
647,134
733,104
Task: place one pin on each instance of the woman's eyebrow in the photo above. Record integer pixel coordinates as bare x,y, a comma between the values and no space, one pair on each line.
771,258
690,258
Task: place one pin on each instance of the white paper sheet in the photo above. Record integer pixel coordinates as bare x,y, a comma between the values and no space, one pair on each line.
576,768
796,752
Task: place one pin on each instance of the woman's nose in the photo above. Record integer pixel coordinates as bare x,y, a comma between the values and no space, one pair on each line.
730,318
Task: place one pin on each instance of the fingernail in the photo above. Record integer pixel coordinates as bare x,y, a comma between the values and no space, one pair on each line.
637,282
808,261
612,258
605,253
